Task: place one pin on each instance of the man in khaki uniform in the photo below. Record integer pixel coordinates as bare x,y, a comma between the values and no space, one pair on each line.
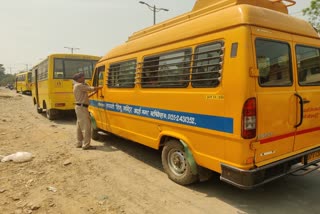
80,91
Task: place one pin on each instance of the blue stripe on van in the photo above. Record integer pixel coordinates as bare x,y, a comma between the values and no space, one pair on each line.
223,124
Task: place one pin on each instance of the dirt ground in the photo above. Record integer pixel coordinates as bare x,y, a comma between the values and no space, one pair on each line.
119,177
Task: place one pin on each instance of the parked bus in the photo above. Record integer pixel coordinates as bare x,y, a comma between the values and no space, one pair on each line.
23,82
52,90
218,89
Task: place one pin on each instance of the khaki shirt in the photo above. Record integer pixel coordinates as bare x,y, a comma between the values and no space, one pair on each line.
80,91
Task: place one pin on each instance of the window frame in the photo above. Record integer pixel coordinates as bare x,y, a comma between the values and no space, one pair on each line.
175,79
273,66
299,61
113,79
215,80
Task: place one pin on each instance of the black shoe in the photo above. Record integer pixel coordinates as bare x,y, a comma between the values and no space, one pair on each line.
89,148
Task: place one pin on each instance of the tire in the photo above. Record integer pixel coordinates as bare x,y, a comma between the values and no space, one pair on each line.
175,163
39,110
94,133
51,114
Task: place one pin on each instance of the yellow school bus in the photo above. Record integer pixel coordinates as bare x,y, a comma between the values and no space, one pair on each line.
52,88
23,82
232,87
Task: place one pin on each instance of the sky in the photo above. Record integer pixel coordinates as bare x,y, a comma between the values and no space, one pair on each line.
30,30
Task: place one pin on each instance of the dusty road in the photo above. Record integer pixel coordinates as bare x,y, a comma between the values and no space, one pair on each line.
118,177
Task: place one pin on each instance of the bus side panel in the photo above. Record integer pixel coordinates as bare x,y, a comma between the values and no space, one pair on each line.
239,86
209,146
43,88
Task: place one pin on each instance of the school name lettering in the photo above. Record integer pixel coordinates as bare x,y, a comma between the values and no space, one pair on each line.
151,113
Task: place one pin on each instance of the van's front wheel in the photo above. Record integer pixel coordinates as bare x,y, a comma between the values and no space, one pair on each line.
175,163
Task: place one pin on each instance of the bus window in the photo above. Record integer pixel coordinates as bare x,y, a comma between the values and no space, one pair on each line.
273,63
150,72
29,77
309,65
58,69
263,66
122,75
207,66
169,70
66,68
43,70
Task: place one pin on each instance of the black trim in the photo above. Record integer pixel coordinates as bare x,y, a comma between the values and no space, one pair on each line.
249,179
83,105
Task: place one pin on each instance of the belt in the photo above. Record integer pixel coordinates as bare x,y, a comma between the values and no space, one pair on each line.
81,104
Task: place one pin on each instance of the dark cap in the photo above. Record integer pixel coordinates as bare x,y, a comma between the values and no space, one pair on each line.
77,76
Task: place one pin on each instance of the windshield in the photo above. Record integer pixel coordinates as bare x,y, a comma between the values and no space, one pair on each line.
66,68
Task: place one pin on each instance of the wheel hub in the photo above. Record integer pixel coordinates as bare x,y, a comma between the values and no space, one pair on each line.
177,162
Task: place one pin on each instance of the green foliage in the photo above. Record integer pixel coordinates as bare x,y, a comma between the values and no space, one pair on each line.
313,13
5,78
8,78
2,69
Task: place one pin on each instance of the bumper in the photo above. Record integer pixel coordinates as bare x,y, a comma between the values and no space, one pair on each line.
249,179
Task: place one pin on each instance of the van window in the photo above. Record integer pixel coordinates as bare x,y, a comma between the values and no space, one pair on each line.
168,70
98,76
122,75
274,63
308,63
207,66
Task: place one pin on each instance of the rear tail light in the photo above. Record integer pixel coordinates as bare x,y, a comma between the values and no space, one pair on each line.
249,119
59,105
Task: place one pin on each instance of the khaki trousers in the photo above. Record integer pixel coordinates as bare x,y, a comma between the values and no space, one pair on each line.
83,127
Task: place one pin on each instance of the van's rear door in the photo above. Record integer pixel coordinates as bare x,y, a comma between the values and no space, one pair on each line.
276,100
308,92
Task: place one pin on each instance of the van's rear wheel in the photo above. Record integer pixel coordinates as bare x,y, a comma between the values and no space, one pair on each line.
39,110
175,163
51,114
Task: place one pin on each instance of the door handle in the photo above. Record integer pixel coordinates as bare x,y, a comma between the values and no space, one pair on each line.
301,102
101,96
306,101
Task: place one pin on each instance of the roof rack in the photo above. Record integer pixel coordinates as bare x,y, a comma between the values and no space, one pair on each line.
288,3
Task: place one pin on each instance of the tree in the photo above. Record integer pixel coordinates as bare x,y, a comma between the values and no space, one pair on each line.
313,13
5,78
2,69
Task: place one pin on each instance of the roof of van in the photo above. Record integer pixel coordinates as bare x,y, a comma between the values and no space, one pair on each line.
214,15
202,7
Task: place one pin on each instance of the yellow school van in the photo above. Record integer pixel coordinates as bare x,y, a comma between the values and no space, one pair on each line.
52,88
232,87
